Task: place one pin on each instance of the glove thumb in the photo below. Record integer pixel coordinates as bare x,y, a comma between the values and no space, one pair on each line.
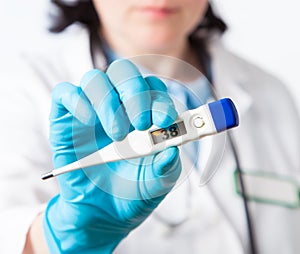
166,168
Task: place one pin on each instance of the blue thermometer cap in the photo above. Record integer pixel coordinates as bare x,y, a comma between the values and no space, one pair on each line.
224,114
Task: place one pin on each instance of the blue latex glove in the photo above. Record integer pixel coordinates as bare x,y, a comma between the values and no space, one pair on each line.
98,206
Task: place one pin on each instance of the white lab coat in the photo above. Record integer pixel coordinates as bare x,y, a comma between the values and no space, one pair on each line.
267,140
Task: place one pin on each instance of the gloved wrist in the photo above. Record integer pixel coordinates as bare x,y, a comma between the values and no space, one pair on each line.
64,236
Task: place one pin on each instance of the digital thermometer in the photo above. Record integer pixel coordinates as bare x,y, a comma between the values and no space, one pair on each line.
191,125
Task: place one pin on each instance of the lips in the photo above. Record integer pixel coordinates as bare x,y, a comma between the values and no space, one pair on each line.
158,12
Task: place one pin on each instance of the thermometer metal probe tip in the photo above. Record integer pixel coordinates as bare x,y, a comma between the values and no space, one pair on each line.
47,175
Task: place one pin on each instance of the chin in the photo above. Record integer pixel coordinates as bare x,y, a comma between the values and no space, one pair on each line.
157,43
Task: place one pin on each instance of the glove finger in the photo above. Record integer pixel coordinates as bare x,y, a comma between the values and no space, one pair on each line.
69,98
162,108
133,92
106,103
166,168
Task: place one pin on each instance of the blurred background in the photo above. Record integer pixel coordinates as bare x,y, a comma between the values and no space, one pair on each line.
265,32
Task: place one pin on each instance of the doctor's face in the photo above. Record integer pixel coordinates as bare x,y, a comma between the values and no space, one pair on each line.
149,25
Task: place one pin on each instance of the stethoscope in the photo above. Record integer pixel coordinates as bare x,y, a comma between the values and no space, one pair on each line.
236,157
205,60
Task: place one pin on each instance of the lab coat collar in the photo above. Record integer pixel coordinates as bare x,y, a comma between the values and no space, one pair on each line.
75,54
229,75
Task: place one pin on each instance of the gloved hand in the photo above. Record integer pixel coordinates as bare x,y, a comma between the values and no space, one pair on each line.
98,206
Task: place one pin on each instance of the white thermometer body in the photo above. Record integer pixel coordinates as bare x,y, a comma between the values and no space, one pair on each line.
191,125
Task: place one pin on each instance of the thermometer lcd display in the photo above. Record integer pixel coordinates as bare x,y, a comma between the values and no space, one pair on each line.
173,131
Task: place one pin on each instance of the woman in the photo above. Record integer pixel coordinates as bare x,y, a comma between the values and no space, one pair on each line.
87,219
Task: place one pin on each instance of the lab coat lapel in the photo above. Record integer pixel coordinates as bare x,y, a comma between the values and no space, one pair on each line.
75,54
229,81
229,77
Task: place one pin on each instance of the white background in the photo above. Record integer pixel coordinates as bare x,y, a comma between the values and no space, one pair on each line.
266,32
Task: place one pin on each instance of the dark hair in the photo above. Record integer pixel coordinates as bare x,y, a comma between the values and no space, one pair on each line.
76,12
